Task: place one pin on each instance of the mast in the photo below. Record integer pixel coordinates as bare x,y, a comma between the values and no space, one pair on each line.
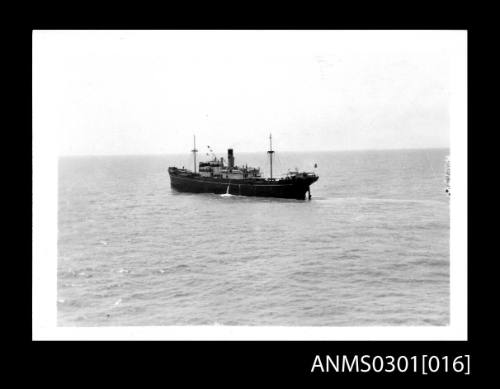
194,151
271,152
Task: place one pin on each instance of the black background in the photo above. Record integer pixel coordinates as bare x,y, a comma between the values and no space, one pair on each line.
169,363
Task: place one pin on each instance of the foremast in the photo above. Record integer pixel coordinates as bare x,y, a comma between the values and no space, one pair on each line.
271,152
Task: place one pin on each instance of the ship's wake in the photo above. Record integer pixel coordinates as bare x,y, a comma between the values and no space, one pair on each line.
227,193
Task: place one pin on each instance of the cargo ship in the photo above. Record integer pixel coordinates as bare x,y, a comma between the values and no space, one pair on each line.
214,176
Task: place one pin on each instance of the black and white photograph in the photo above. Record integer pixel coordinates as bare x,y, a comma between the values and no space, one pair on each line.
249,184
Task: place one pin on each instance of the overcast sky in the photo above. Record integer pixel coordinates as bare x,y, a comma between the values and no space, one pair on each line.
148,92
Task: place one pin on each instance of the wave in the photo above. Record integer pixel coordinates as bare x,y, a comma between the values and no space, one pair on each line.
376,200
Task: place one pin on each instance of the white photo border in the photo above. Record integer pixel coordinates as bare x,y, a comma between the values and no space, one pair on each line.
44,249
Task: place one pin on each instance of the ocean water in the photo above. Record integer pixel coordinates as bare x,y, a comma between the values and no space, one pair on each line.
370,248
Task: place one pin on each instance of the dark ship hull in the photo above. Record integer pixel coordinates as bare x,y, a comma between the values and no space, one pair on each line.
294,187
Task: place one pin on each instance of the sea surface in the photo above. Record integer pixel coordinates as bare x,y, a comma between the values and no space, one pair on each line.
370,248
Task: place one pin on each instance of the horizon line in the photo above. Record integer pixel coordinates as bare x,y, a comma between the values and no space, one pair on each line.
260,151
